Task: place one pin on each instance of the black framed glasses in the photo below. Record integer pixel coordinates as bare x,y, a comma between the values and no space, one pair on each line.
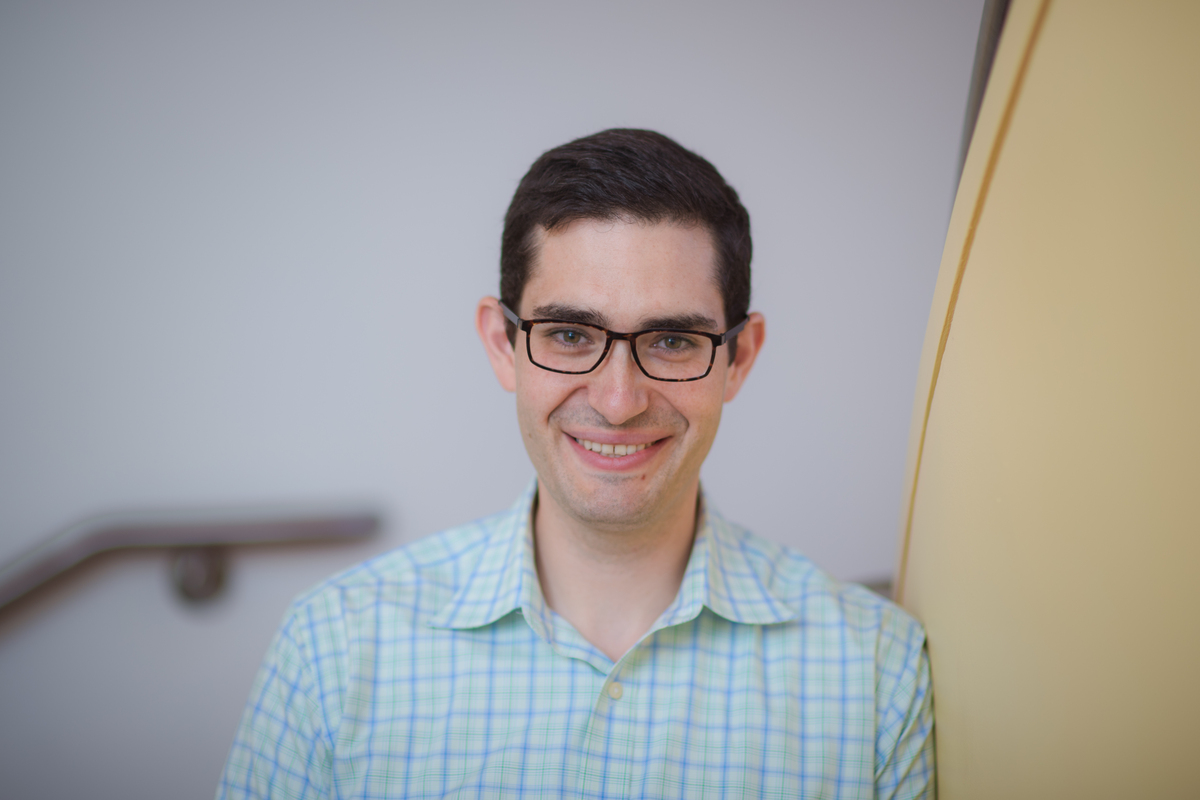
662,354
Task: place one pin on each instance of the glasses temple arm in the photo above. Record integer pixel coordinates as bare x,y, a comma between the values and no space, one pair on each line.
514,319
734,331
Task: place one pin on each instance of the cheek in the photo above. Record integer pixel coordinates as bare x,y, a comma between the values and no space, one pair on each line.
539,393
701,407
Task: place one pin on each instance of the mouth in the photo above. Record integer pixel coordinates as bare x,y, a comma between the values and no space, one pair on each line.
612,450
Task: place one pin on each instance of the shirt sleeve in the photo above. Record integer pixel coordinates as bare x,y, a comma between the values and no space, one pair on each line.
905,765
283,748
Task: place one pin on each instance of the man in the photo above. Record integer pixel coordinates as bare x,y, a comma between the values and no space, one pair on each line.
610,635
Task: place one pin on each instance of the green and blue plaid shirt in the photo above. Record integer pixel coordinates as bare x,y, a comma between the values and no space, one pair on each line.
437,670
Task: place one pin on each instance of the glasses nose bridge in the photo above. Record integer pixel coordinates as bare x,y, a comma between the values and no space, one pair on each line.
630,339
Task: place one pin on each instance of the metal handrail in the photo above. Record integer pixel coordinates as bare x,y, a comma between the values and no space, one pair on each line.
180,531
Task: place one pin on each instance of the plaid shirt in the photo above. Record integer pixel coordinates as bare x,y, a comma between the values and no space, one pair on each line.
437,670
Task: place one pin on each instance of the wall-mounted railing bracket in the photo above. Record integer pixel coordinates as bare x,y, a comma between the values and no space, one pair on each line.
200,540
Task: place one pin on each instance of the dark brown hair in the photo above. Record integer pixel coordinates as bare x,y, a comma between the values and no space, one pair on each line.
630,173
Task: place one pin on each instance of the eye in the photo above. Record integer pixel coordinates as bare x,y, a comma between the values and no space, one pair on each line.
674,342
568,337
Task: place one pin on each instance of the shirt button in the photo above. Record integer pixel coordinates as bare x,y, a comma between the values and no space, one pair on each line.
615,690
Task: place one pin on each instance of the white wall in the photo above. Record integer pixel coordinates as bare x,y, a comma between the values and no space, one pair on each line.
240,248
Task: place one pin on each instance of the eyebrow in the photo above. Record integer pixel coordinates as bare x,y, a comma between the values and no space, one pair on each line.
682,322
581,316
587,316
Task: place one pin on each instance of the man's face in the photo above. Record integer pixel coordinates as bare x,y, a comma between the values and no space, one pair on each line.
630,276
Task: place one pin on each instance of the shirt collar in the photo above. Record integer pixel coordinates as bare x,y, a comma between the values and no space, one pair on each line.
504,579
722,574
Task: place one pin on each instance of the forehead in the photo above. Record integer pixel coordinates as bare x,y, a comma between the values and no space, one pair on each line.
629,271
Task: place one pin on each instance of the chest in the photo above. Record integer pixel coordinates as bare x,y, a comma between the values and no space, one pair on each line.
710,709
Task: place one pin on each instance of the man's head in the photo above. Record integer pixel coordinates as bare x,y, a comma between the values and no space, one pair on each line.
625,231
627,174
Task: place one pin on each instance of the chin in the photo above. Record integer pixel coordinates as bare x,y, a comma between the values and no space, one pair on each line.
625,502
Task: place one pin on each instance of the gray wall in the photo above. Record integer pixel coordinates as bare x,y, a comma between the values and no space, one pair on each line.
240,248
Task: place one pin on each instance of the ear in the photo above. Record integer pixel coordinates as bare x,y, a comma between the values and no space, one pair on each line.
749,344
489,322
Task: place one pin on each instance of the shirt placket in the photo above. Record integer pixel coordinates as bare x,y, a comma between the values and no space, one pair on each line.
608,754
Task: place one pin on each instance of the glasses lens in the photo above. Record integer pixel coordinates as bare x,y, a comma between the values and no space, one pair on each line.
674,355
565,346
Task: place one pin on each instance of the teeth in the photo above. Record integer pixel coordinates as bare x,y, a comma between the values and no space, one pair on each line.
612,450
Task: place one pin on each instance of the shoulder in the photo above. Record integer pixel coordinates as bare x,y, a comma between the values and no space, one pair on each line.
862,639
820,599
412,581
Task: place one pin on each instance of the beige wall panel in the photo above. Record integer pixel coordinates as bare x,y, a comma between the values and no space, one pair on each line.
1054,545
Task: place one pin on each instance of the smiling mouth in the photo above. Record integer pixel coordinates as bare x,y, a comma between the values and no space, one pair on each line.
612,450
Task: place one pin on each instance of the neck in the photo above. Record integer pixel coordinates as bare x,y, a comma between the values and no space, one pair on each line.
612,584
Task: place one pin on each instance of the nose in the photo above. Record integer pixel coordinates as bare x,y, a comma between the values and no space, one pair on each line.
618,388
